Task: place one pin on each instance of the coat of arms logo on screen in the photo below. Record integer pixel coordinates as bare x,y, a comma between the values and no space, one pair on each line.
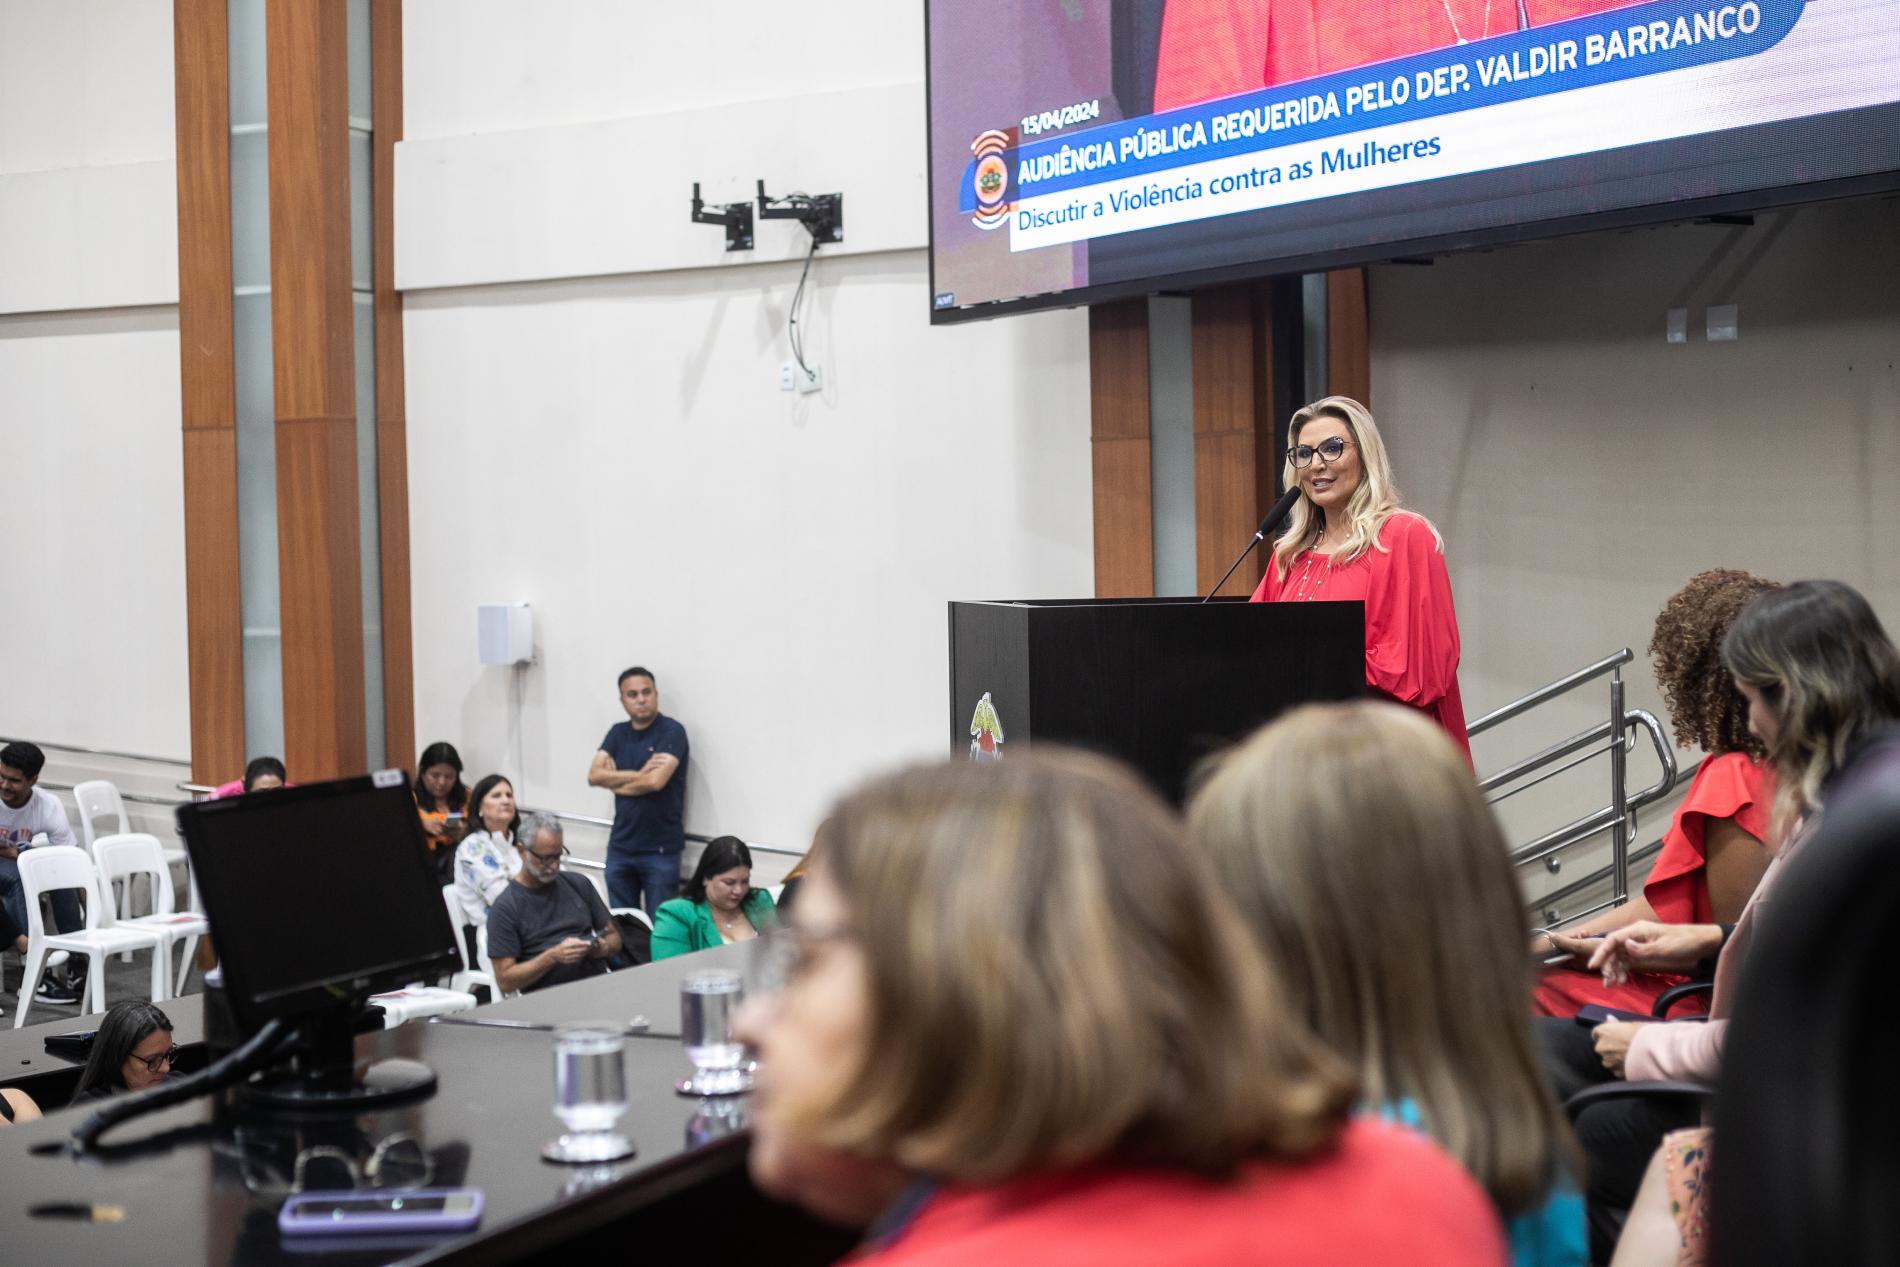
991,179
986,732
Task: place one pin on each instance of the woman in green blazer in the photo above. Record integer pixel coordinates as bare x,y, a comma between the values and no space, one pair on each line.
720,905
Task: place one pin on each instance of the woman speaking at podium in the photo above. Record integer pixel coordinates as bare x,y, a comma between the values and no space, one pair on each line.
1348,538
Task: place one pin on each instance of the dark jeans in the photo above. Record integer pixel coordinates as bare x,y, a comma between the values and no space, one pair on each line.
1618,1136
67,915
642,879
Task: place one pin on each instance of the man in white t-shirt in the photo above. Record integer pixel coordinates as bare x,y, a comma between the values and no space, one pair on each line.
27,811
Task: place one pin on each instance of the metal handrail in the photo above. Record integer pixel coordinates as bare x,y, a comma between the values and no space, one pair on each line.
1498,716
109,752
141,798
1613,737
199,789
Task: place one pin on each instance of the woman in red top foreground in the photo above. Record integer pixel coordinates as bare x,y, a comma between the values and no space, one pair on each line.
1015,998
1712,855
1347,538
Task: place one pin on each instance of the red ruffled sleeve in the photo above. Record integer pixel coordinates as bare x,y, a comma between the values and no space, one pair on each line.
1411,627
1730,786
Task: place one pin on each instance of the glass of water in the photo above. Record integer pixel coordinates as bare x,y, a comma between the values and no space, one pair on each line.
590,1092
709,1001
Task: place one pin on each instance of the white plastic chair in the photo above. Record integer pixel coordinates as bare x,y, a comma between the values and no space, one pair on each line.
122,857
54,867
470,975
99,800
481,953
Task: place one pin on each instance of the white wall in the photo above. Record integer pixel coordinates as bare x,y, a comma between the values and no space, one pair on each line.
613,447
1581,468
89,394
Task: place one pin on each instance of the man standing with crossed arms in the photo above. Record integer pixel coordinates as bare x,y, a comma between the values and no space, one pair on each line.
642,761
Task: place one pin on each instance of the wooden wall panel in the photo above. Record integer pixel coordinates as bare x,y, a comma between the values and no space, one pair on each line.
213,615
1233,430
312,360
1120,449
392,443
1348,346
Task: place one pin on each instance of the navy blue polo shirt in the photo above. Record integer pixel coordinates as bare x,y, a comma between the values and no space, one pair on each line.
654,823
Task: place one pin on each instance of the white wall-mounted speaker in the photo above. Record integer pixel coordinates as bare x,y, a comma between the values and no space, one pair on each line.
505,633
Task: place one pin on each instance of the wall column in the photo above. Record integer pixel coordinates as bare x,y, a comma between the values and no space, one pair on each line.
214,626
313,364
1120,449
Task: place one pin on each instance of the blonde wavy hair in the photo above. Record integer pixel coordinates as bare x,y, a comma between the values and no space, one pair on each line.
1055,979
1376,879
1826,667
1372,503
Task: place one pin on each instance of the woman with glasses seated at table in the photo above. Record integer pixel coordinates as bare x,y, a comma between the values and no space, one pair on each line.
132,1052
719,906
1348,538
1012,986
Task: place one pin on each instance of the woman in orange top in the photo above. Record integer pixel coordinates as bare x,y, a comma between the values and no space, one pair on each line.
442,803
1348,538
1713,854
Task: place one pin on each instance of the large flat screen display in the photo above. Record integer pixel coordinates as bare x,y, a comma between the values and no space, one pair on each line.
1084,149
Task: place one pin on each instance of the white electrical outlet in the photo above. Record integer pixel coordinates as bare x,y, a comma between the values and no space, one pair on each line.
810,379
787,375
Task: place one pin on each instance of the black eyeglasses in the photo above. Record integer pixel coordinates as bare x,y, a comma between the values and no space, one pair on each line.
546,859
152,1063
1330,450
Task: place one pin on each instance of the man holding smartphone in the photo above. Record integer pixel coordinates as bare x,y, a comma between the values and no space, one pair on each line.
549,926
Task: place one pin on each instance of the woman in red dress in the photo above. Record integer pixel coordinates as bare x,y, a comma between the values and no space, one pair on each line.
1348,538
1712,855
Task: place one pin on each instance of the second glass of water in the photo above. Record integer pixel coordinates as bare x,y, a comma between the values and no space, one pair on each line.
709,1001
590,1092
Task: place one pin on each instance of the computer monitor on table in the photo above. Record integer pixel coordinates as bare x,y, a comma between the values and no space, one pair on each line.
318,897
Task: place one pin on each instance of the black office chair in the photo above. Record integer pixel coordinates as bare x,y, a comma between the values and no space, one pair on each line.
1808,1129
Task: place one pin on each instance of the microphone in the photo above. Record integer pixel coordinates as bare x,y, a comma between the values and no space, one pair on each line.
1275,517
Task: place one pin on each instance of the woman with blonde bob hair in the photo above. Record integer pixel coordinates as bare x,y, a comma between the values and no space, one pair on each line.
1347,537
1014,982
1375,878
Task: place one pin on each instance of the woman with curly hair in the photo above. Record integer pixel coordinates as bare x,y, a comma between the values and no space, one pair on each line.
1713,853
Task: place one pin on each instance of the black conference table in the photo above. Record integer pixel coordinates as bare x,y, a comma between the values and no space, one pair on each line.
203,1185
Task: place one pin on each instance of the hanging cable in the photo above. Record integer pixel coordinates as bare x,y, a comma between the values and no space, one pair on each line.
798,297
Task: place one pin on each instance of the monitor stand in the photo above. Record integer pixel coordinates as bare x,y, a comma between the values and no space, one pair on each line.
320,1073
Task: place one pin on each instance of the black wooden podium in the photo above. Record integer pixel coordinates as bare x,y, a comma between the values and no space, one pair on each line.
1159,682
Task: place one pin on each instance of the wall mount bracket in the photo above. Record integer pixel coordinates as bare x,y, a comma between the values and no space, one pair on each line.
735,216
821,214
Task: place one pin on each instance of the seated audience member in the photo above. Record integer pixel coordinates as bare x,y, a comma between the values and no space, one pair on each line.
1805,1125
17,1106
442,804
132,1052
1364,858
1014,979
28,811
486,860
1822,679
1712,855
261,775
720,904
548,926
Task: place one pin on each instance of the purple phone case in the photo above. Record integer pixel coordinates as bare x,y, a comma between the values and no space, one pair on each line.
290,1224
